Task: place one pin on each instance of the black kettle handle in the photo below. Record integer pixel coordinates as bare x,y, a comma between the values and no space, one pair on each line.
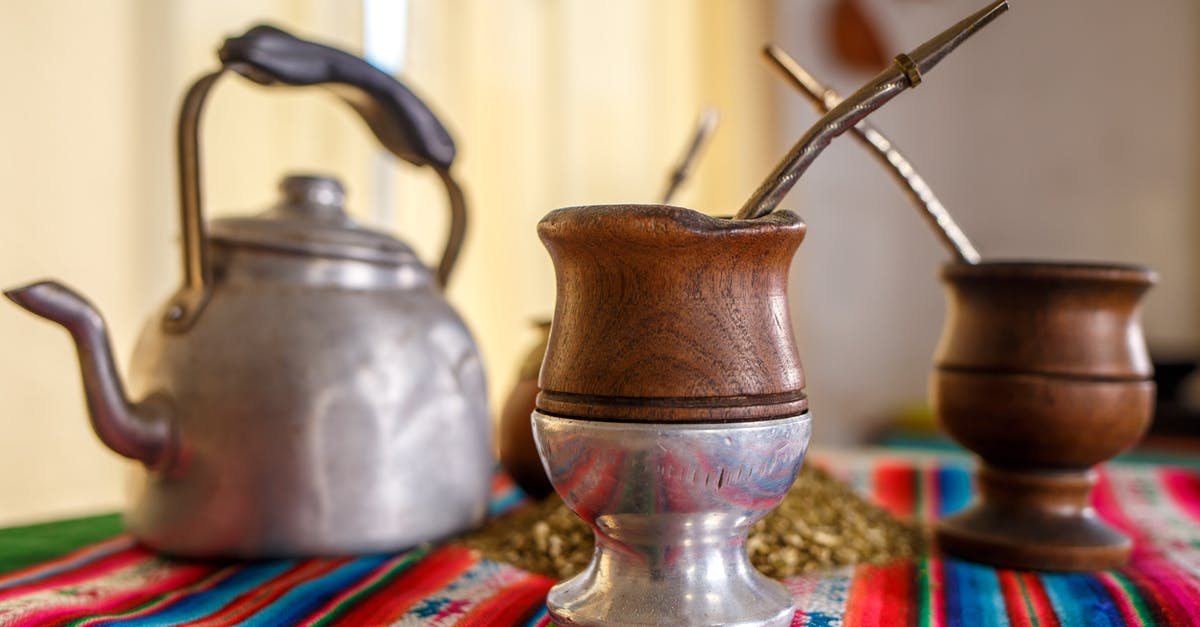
270,56
403,124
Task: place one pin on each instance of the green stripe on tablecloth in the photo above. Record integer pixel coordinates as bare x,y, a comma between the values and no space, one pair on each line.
32,544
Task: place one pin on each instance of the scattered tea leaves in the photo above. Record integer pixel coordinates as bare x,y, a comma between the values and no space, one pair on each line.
820,524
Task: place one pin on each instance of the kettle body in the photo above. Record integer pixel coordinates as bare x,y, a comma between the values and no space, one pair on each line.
351,420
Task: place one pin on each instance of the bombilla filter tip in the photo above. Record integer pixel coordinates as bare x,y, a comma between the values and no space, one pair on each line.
709,118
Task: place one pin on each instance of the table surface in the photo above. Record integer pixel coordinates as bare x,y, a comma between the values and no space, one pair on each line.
88,572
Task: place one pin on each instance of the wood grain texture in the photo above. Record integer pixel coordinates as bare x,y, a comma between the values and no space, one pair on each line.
666,314
1075,320
1042,371
1039,421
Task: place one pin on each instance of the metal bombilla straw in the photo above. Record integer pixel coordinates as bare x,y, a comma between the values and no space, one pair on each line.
825,98
904,73
705,125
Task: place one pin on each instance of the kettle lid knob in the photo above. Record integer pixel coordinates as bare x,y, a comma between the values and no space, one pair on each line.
313,195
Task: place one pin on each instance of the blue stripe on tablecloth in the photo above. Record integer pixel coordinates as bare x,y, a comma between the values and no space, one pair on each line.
537,617
954,489
205,602
1081,600
306,598
973,597
501,503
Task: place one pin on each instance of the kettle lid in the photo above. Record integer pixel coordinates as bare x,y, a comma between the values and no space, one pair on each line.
310,220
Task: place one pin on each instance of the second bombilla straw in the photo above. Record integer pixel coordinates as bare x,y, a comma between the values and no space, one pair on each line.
904,73
705,125
932,209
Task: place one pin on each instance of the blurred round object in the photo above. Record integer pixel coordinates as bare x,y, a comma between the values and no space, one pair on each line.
518,454
856,38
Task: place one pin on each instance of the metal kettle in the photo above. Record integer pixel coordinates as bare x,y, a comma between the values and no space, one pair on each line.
308,390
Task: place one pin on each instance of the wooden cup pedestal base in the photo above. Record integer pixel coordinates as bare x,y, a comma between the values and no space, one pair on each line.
1034,520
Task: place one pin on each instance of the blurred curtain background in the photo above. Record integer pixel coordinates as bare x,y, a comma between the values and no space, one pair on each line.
568,103
1047,136
88,162
552,104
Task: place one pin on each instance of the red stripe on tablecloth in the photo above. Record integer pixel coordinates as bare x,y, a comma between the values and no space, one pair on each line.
422,579
124,600
384,571
1104,500
894,488
92,569
932,496
254,599
501,483
512,605
885,595
1039,600
937,592
860,602
1019,614
1162,584
1160,603
882,595
79,556
899,594
1183,487
1121,598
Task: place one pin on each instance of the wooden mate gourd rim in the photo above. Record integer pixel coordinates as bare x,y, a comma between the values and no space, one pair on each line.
1033,270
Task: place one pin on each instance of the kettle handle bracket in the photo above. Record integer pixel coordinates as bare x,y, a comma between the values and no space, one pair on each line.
191,297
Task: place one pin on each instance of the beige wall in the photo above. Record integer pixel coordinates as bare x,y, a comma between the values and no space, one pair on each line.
87,165
68,171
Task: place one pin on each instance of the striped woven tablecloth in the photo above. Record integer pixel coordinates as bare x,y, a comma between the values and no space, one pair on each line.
111,580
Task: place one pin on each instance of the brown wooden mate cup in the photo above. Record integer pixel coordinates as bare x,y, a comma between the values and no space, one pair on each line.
664,314
1042,371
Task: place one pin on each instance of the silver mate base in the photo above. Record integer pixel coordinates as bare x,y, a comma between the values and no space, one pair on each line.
671,505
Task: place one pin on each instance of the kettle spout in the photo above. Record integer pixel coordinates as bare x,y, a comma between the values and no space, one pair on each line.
140,431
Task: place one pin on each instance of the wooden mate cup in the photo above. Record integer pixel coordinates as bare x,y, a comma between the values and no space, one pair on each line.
1042,371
